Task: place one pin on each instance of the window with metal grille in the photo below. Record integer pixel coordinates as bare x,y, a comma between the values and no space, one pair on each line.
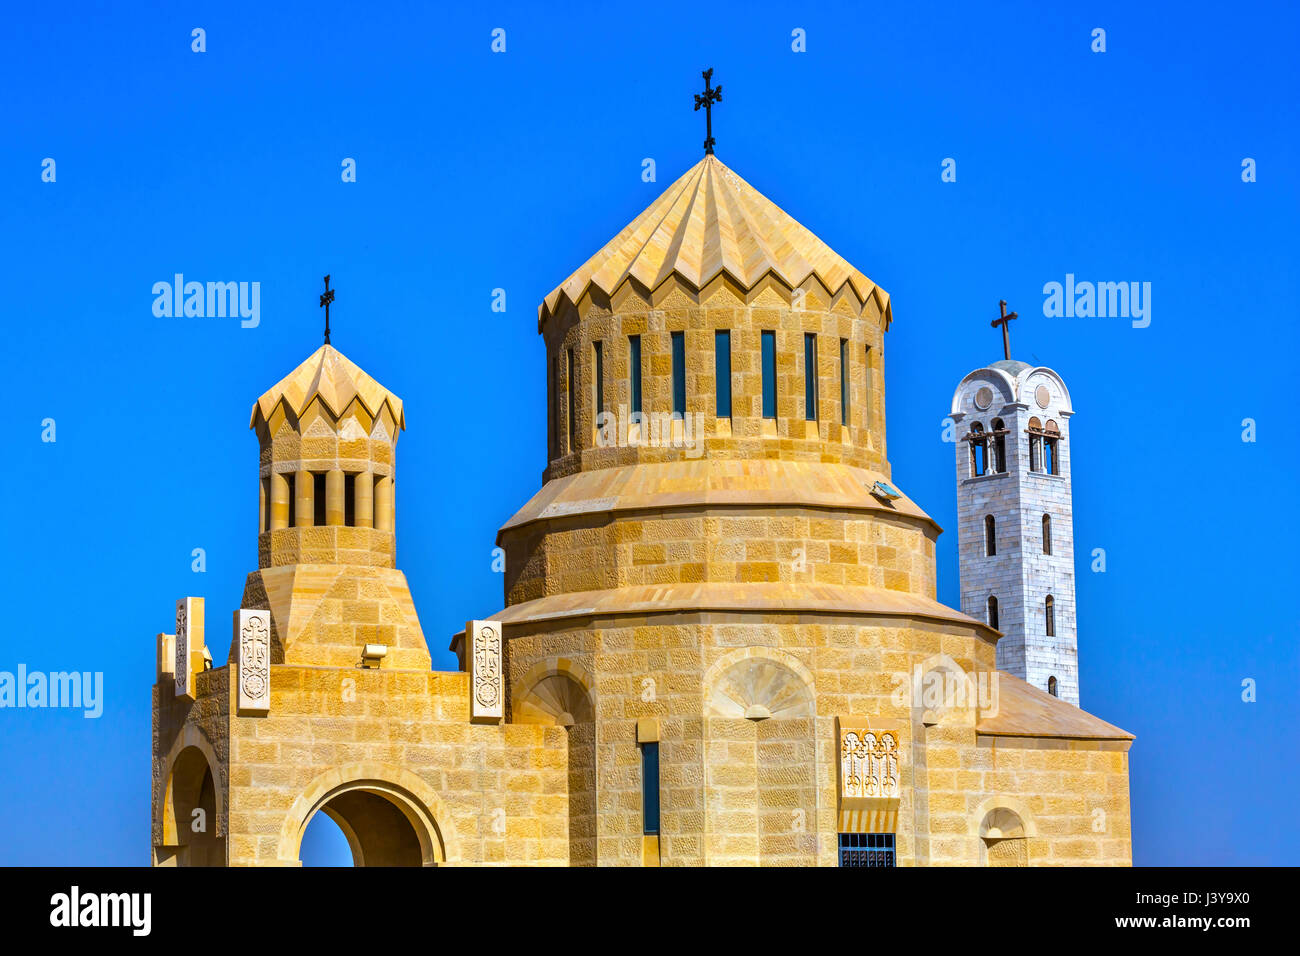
867,849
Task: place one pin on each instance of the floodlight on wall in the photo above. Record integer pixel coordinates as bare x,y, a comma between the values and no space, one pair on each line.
372,654
886,491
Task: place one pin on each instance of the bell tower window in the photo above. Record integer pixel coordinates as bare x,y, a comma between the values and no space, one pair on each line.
993,613
1049,615
1047,534
990,536
978,450
998,459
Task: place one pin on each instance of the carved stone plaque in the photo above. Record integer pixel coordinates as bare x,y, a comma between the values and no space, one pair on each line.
189,638
870,776
253,638
486,685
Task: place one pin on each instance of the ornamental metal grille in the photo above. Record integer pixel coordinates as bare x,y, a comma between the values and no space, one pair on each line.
867,849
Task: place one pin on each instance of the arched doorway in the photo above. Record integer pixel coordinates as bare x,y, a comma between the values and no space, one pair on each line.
189,818
383,824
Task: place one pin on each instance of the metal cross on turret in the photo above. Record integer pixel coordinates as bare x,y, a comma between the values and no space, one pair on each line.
711,95
1006,334
326,298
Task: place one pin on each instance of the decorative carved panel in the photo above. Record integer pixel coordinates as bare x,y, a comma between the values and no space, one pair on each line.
253,639
486,686
868,763
870,772
189,638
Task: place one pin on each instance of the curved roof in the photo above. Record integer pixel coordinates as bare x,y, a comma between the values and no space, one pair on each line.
332,376
708,222
767,482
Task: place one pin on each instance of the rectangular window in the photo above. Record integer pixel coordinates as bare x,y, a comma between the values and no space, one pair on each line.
634,364
844,381
866,391
650,788
679,373
350,500
293,498
598,357
769,375
552,407
318,498
867,849
568,399
810,376
722,371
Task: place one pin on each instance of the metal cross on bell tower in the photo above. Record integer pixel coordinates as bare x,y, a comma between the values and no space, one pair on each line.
711,95
326,298
1006,333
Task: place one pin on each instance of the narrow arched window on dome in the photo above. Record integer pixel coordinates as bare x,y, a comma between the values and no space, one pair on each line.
679,373
866,390
634,374
998,459
990,536
810,376
569,402
1049,615
722,372
1047,534
993,612
844,381
769,374
598,396
978,450
1052,687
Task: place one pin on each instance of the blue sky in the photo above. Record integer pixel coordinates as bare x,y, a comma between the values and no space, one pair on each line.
478,171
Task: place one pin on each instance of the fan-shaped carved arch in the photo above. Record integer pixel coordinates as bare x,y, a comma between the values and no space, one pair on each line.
757,683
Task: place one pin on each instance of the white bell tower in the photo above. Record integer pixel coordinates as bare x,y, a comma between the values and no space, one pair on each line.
1015,518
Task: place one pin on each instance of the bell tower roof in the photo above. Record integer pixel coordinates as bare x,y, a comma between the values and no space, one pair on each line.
332,377
709,222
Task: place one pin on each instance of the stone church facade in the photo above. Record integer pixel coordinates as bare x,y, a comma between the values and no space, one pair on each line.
720,641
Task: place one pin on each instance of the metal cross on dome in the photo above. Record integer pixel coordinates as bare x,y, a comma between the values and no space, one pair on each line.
326,298
711,95
1006,333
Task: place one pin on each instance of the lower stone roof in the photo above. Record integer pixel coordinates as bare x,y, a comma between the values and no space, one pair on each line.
1025,711
712,481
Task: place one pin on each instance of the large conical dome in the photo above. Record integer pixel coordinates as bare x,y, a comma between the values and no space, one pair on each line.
709,222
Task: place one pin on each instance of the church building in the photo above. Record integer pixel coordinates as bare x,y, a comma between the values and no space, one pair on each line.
719,641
